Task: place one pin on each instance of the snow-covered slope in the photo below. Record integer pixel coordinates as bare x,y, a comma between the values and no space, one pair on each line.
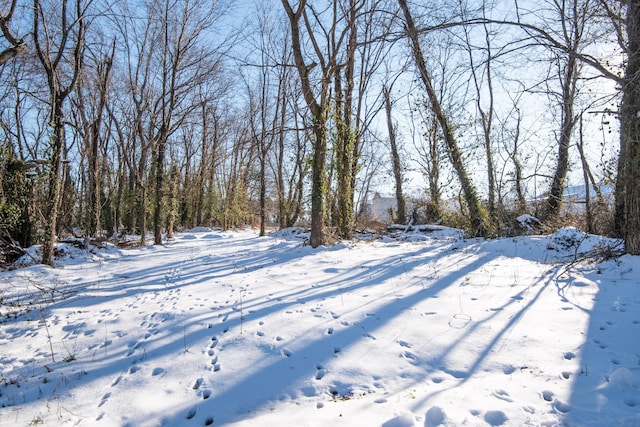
226,328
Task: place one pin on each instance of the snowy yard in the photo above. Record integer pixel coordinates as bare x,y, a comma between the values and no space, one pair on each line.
226,328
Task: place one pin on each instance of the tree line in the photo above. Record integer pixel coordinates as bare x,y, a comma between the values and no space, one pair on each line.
153,115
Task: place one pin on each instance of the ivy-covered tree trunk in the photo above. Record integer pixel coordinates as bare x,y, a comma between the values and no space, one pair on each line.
344,154
347,135
478,217
54,183
319,112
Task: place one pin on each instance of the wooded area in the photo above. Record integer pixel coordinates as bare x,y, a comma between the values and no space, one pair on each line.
158,115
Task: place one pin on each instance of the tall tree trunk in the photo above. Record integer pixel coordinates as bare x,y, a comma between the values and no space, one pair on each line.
478,217
141,191
628,182
159,189
518,170
104,70
486,114
172,212
346,143
553,202
401,215
318,111
50,61
55,184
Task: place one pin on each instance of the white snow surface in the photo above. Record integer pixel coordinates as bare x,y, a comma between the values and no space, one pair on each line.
229,328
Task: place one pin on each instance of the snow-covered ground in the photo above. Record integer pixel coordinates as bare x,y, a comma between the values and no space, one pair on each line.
227,328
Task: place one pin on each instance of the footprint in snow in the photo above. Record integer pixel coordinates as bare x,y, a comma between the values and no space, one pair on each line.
502,395
495,418
508,369
191,413
561,406
600,344
632,402
407,355
435,417
157,371
404,344
104,399
320,372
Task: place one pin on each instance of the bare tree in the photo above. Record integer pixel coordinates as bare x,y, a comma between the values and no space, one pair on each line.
573,16
51,55
482,79
319,109
478,217
92,122
401,214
